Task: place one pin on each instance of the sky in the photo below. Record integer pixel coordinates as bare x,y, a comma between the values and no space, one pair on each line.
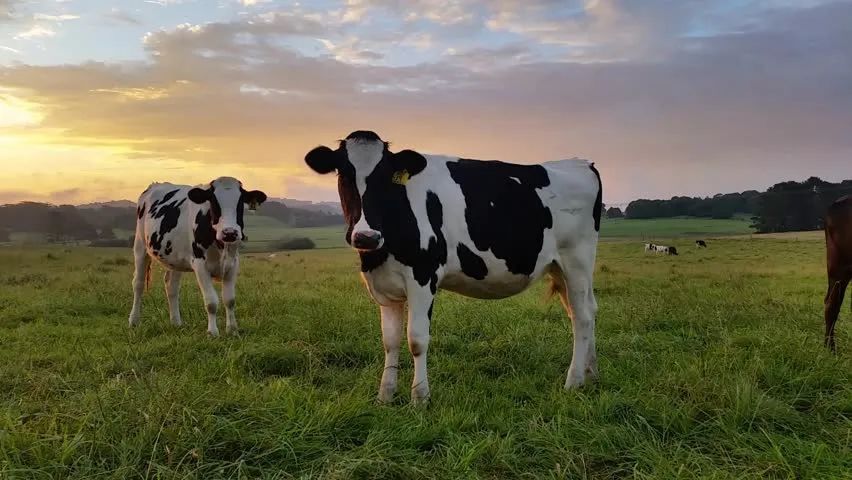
668,97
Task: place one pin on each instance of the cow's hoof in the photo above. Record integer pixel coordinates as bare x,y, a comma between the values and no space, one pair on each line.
385,395
212,333
133,322
420,396
574,381
234,332
177,322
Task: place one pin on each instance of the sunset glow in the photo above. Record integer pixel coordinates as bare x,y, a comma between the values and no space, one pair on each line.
97,101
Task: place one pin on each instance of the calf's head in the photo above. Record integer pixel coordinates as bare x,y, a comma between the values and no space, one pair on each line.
227,200
371,182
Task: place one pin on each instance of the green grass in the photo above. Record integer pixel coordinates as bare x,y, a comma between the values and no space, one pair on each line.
655,228
711,367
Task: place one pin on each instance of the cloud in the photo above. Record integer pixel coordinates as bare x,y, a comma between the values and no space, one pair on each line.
682,111
36,31
54,18
119,16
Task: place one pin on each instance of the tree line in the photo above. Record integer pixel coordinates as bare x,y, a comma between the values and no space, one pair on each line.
68,223
784,207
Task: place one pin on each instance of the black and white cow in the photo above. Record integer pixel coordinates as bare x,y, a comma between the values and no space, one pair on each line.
700,244
197,230
485,229
665,250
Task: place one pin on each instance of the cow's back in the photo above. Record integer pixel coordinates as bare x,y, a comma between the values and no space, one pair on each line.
164,223
503,223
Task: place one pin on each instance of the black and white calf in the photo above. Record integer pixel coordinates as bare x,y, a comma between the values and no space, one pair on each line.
700,244
197,230
485,229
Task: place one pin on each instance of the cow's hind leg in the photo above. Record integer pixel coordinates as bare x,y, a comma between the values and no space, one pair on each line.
141,273
833,302
172,280
573,283
391,336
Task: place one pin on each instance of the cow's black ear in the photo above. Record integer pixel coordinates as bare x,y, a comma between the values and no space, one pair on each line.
254,198
199,195
323,160
410,161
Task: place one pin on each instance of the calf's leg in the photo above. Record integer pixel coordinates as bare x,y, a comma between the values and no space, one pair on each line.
229,296
142,269
208,291
172,280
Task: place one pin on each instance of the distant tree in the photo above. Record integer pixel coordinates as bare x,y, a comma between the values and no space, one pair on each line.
614,212
796,206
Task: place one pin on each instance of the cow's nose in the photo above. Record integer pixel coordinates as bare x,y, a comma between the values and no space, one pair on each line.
230,235
366,240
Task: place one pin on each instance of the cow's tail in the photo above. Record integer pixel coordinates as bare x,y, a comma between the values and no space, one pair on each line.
597,210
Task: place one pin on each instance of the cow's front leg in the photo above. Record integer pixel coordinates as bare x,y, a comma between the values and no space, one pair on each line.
229,296
208,291
419,318
391,335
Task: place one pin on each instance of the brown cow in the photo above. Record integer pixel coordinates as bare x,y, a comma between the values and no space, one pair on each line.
838,246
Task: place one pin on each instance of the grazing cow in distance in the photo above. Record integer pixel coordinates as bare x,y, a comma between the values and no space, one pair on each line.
484,229
650,247
197,230
838,249
700,244
665,250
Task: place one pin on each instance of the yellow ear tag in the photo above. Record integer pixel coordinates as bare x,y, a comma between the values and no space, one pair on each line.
401,177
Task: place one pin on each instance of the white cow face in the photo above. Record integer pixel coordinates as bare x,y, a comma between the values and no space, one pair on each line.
371,182
227,200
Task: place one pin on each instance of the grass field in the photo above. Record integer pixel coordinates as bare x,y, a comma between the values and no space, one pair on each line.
656,228
711,367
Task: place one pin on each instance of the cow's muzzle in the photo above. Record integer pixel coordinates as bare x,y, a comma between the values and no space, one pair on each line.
230,235
367,240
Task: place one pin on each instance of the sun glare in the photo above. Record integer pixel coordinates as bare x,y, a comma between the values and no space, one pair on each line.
16,112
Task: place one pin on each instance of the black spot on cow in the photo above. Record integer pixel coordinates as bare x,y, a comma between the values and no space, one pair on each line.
168,212
435,254
503,211
140,211
598,210
168,249
431,306
472,264
204,236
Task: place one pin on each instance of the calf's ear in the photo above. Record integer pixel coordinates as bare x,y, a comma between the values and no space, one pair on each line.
199,195
323,160
410,161
253,198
